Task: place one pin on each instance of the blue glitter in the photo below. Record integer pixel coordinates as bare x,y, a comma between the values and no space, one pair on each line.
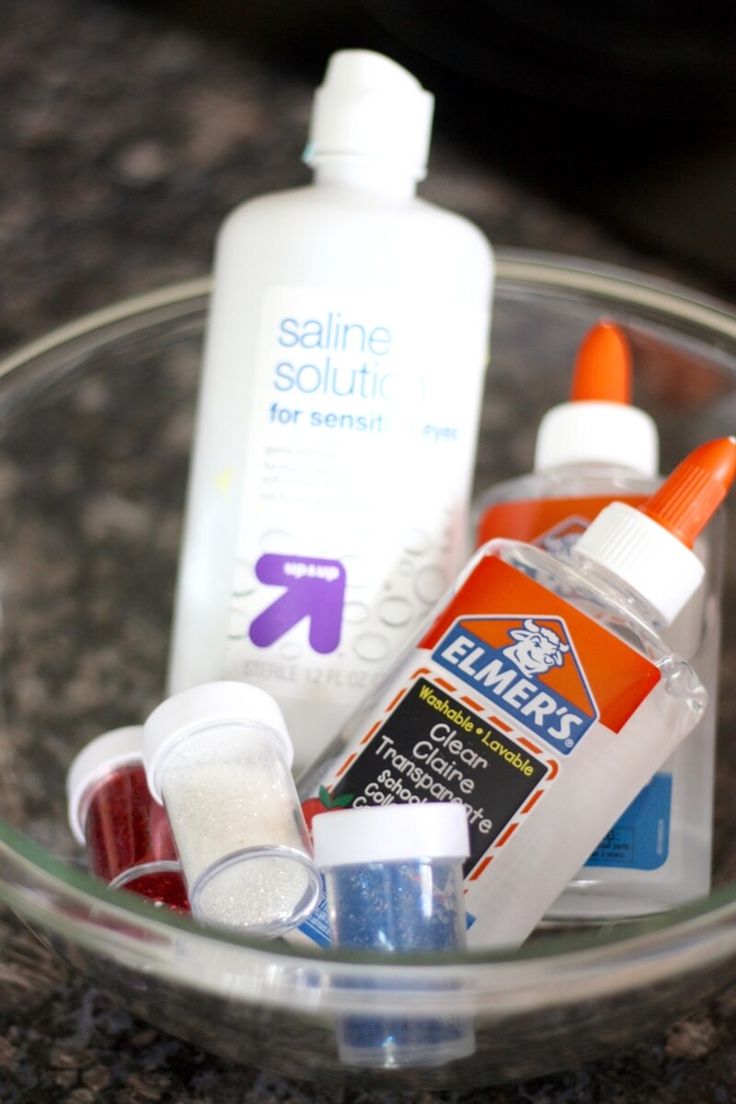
392,907
399,906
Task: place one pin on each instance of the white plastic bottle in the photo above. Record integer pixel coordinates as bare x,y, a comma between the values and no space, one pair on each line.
337,420
541,697
589,451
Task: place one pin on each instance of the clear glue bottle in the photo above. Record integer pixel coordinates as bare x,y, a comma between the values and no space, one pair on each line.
541,696
592,450
338,413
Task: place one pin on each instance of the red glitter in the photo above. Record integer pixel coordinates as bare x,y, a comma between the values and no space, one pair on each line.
125,828
162,887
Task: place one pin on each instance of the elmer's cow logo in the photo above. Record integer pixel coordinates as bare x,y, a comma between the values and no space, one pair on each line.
536,649
527,665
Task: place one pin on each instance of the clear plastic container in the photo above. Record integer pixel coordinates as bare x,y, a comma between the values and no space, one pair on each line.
125,833
218,756
394,882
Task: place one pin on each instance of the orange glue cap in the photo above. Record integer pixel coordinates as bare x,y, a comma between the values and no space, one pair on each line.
602,370
686,502
598,425
649,547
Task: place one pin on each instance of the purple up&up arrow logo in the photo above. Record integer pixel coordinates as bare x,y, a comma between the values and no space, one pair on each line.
313,588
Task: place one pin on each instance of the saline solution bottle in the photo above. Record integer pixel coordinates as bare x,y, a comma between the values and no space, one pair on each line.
338,413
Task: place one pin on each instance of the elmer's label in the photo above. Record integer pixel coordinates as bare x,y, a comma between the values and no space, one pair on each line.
359,460
530,665
506,686
422,754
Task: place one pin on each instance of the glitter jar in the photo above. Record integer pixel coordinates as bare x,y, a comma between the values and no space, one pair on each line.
218,757
112,815
394,884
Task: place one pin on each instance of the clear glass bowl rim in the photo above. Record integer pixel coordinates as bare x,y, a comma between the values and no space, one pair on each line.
691,938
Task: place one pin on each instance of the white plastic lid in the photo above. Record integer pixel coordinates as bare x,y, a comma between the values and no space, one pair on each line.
206,706
391,833
369,106
597,433
99,757
644,555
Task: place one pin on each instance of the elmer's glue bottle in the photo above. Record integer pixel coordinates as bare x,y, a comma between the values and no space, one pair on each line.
589,451
541,696
336,429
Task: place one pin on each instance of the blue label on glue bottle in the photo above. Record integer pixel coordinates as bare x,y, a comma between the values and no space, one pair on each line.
639,840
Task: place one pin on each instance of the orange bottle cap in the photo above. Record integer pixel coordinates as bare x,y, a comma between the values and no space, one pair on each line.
649,548
602,370
687,500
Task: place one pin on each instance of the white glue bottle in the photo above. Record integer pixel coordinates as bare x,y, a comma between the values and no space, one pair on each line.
337,421
541,696
589,451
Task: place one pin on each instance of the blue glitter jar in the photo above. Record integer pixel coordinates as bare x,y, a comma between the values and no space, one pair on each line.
394,884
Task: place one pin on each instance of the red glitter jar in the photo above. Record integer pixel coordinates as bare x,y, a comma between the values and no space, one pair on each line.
125,832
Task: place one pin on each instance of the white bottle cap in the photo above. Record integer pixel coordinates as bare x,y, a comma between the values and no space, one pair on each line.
98,758
208,706
391,833
599,425
369,106
597,433
644,555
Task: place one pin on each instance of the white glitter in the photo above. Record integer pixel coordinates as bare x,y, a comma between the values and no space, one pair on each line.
255,894
226,790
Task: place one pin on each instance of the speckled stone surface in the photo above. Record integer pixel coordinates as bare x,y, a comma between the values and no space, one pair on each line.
125,140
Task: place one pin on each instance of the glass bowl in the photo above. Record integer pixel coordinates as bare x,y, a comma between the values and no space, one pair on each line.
95,428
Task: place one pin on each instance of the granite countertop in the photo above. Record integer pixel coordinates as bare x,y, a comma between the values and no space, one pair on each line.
126,139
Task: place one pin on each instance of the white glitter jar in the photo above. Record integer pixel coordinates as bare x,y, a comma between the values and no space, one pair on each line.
218,757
